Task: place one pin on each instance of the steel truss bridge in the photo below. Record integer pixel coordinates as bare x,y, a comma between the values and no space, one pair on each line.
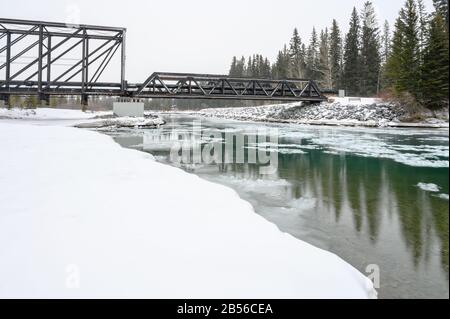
91,50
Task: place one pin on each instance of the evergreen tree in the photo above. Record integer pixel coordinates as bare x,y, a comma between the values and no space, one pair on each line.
276,66
441,7
370,52
385,53
335,56
351,72
435,72
312,57
324,69
249,67
423,24
233,67
297,65
403,66
286,63
281,66
240,68
304,53
266,73
258,65
386,42
393,68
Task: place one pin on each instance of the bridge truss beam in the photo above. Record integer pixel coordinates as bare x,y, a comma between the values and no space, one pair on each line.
45,39
207,86
94,47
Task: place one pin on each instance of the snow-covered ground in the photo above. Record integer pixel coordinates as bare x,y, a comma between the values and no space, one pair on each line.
76,117
340,111
82,217
47,114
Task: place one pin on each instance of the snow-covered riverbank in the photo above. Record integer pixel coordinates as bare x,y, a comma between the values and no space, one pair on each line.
47,114
341,112
82,217
80,119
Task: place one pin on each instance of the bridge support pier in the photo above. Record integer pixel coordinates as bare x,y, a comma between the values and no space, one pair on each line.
84,102
84,99
129,107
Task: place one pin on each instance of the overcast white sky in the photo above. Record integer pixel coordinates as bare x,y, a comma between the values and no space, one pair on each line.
199,35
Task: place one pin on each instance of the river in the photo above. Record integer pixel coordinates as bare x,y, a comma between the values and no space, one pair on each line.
372,196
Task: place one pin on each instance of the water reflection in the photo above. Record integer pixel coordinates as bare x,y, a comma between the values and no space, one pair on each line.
365,209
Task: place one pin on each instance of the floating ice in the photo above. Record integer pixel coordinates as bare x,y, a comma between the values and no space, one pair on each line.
443,196
304,203
430,187
373,146
279,150
246,182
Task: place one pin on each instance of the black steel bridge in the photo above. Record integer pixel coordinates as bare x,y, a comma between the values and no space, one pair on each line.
71,59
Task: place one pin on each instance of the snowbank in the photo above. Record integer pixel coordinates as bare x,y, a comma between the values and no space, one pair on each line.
79,118
82,217
341,111
47,114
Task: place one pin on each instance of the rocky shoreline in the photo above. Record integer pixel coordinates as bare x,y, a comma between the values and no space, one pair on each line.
362,112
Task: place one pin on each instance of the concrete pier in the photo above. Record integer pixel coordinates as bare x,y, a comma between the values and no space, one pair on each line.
131,108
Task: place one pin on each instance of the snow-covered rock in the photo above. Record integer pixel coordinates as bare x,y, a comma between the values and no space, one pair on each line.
141,122
81,217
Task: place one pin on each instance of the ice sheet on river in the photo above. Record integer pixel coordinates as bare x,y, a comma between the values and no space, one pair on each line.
370,145
82,217
413,147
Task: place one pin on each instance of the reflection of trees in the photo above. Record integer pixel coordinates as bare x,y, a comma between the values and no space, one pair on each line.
420,213
364,186
441,224
347,184
371,190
